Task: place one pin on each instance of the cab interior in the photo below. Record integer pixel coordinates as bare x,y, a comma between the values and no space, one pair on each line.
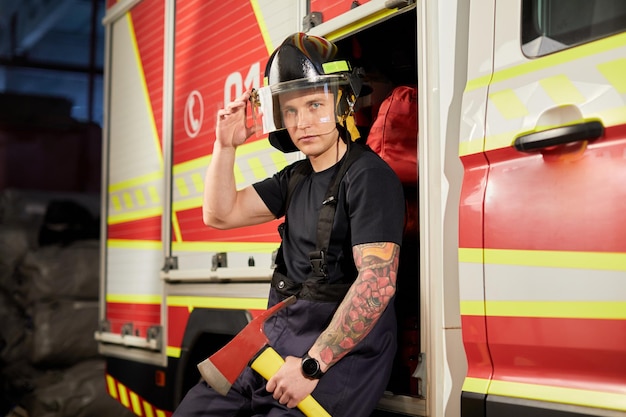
386,55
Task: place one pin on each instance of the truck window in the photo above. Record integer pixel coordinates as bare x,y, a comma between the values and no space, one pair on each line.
549,26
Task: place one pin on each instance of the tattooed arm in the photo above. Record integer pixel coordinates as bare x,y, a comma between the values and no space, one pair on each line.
365,302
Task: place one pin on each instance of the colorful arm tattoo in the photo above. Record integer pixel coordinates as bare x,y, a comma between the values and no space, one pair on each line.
364,303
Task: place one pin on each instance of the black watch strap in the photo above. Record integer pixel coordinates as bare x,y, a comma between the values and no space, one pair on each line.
311,367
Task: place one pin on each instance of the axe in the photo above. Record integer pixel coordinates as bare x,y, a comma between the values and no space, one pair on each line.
250,347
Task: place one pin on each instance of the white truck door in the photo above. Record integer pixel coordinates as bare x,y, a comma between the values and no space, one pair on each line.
133,174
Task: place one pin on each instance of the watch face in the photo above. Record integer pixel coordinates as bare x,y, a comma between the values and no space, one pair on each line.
310,366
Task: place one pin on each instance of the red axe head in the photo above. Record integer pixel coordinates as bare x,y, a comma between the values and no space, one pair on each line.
222,368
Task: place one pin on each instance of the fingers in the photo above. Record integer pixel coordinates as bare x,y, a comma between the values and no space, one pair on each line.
235,105
239,102
271,385
283,398
279,393
231,108
234,116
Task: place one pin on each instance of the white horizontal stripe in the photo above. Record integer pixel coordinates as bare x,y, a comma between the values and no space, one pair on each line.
535,283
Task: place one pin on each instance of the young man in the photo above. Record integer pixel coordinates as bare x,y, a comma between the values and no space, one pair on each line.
339,338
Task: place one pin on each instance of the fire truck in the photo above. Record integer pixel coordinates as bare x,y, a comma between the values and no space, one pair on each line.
513,293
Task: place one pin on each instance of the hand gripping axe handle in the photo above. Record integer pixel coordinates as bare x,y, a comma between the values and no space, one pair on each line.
221,369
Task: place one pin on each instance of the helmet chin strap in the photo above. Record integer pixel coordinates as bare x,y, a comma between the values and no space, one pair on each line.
345,129
347,126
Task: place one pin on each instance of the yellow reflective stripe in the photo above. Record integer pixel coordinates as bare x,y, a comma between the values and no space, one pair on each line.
601,310
262,27
501,140
136,405
471,255
476,83
181,185
478,385
173,352
135,244
508,104
117,205
136,182
217,302
607,261
252,147
614,72
279,160
144,88
610,310
135,215
147,409
588,398
128,200
335,66
548,61
111,386
188,204
178,236
239,178
472,308
139,405
561,395
121,389
259,247
257,168
134,298
154,194
470,147
191,165
614,261
362,23
562,90
140,197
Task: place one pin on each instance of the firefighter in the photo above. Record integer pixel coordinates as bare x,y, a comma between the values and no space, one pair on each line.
339,338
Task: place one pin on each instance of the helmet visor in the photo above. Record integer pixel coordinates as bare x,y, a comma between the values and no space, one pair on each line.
299,103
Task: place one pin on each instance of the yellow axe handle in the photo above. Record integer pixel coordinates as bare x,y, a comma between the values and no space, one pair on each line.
268,363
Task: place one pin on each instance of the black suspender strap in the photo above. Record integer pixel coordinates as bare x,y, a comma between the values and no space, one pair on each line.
327,213
300,171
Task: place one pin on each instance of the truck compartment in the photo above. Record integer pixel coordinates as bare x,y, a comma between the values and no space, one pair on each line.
386,54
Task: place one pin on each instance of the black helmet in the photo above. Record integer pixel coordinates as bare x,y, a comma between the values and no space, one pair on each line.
305,61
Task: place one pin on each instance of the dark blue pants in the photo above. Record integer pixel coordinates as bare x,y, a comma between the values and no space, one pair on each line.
351,388
247,397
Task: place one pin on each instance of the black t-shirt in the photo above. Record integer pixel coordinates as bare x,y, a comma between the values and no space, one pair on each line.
370,208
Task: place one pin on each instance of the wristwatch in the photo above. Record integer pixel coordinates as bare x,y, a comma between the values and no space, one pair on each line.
311,367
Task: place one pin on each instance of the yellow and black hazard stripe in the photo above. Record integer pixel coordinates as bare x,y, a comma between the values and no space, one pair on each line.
133,401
